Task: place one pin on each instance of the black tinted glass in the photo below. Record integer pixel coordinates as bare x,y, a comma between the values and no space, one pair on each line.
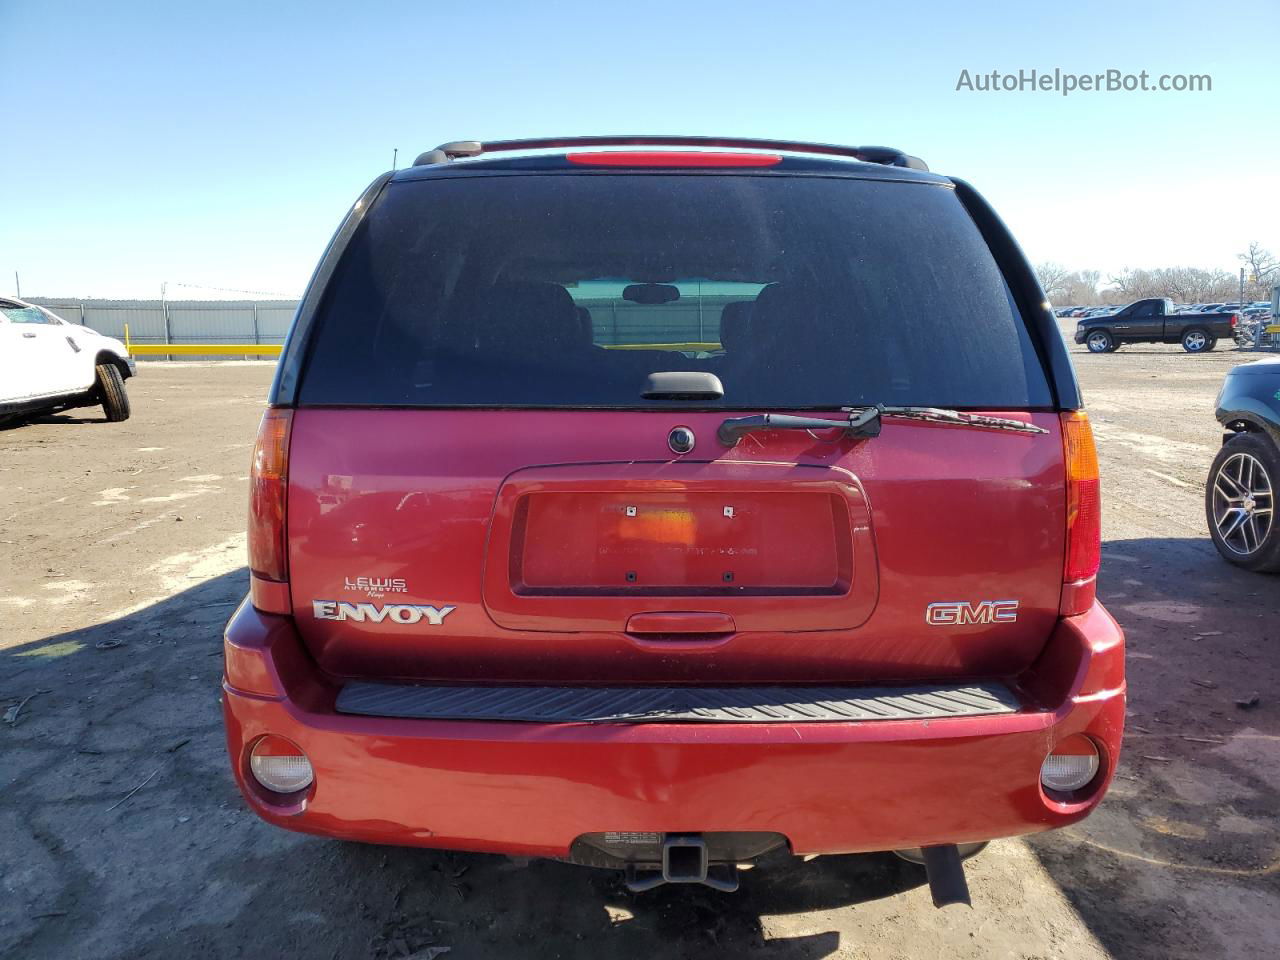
568,290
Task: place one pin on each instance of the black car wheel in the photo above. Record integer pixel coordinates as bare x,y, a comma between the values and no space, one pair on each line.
1099,341
111,393
1196,341
1240,502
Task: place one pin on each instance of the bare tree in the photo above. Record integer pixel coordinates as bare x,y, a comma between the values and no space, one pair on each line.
1191,284
1183,284
1121,283
1261,271
1053,279
1130,284
1081,289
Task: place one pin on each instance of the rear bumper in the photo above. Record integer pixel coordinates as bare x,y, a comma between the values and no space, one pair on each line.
532,788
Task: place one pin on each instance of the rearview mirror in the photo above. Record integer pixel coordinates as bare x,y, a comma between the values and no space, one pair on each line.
650,293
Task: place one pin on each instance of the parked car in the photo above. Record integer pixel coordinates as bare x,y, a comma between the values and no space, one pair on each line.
1240,496
1154,321
517,586
47,365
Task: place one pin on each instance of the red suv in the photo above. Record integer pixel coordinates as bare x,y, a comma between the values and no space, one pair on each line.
658,503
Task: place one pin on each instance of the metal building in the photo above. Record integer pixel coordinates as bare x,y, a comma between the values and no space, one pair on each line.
180,321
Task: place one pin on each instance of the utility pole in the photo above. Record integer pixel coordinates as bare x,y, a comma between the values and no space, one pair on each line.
164,313
1242,288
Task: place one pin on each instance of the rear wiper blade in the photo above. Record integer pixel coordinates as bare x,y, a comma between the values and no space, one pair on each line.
939,415
865,422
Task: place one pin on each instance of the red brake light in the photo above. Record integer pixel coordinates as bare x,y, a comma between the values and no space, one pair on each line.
1084,514
268,487
686,158
1235,319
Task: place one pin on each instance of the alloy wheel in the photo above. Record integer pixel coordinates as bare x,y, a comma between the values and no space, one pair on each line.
1243,504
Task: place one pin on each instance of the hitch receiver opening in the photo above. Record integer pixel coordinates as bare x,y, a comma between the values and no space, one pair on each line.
684,859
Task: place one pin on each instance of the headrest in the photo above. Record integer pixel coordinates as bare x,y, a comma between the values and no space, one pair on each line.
526,320
773,300
735,325
584,319
783,321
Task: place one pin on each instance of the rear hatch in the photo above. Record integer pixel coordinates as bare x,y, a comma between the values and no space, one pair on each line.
481,490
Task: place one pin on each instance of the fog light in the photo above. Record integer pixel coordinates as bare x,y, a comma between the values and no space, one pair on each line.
280,766
1072,765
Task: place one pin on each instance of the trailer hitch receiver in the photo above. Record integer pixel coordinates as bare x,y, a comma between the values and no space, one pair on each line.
684,860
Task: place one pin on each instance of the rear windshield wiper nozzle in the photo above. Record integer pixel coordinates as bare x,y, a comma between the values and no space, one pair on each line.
865,422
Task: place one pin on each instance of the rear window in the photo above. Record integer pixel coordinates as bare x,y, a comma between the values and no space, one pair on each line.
568,290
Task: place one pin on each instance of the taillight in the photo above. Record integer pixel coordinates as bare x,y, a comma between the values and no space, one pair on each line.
268,487
1071,766
1084,514
280,765
1235,319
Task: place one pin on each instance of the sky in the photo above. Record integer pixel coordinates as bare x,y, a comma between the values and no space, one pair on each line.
217,147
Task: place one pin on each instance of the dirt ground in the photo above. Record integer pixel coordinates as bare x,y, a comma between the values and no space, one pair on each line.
122,834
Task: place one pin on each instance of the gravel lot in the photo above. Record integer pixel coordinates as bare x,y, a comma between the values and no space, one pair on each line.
122,552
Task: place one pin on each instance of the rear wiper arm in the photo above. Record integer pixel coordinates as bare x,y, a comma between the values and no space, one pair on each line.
861,423
865,422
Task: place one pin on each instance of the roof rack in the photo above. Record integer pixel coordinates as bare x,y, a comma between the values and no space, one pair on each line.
459,149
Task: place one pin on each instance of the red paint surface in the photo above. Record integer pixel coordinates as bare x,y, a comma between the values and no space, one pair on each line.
518,521
532,788
934,514
796,538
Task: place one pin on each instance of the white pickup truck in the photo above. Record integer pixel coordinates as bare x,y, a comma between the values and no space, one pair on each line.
47,364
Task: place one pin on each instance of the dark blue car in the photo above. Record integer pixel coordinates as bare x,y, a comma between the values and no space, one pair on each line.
1240,497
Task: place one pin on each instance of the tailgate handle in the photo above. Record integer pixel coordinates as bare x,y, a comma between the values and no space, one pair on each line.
681,622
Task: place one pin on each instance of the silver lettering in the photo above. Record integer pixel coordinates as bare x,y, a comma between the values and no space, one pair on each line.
359,612
405,614
402,613
376,586
435,616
